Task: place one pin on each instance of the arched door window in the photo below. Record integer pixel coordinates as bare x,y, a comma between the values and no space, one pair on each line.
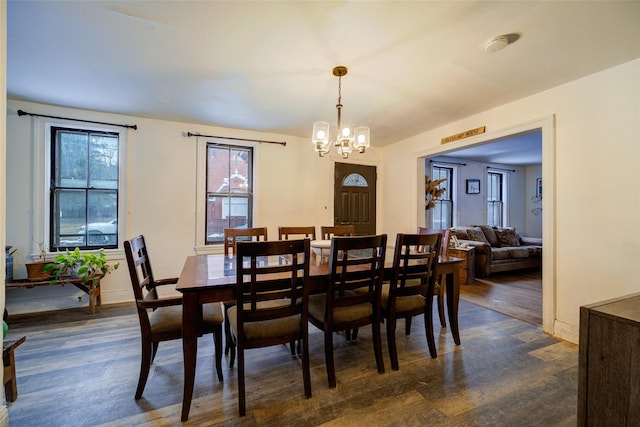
355,180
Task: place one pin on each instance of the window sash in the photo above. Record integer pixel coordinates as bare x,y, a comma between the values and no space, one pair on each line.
442,212
229,190
84,188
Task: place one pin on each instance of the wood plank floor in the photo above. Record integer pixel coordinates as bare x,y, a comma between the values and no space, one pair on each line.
81,370
516,294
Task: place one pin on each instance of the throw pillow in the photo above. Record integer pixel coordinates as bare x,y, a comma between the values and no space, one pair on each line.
476,235
507,237
490,234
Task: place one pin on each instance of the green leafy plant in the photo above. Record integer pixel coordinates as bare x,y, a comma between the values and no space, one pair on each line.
89,267
432,192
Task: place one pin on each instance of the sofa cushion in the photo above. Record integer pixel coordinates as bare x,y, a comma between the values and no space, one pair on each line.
476,235
490,234
507,237
520,252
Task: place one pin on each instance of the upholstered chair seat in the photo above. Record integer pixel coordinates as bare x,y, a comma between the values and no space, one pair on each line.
265,328
169,319
318,304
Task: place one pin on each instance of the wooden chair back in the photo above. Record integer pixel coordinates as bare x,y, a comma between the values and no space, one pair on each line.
328,231
269,311
141,274
446,236
285,232
232,235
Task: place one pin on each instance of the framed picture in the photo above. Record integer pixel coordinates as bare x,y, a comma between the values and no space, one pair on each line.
539,188
473,186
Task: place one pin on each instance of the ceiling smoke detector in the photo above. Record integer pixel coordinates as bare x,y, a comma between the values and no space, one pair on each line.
500,42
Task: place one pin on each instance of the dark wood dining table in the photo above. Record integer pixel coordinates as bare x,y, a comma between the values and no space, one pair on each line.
212,278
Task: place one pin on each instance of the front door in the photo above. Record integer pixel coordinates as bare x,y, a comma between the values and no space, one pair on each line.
355,197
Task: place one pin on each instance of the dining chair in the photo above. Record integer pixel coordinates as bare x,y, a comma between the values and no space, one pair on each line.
161,318
231,237
354,263
439,286
270,312
328,231
410,291
285,232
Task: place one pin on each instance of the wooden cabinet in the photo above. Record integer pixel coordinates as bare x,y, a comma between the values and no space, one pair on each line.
468,266
609,363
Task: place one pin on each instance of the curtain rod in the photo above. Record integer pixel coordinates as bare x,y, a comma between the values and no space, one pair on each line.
24,113
500,169
237,139
447,163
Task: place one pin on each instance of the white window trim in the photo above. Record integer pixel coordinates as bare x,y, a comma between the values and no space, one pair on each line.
201,248
454,188
42,174
505,195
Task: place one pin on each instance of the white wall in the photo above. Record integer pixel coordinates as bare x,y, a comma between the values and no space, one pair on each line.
596,220
533,217
294,187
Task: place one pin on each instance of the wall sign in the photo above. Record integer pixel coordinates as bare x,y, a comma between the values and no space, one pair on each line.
462,135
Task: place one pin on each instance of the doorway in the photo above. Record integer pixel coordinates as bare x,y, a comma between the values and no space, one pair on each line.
355,197
547,127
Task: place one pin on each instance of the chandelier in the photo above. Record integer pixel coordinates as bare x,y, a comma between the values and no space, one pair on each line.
347,140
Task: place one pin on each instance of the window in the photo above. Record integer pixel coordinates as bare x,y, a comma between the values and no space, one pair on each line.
442,212
495,198
83,188
229,190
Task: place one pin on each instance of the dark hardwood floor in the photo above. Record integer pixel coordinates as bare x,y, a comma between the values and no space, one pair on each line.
516,294
76,369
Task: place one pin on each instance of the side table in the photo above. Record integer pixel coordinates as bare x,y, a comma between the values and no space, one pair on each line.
468,266
9,344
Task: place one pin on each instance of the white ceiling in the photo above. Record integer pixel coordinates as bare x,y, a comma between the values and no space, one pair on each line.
266,65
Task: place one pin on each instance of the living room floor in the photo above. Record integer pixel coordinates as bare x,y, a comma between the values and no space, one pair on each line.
516,294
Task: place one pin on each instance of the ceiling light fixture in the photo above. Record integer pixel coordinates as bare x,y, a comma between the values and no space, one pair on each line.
346,140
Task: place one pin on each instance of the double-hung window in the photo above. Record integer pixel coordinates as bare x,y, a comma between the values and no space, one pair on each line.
229,190
442,212
495,198
84,186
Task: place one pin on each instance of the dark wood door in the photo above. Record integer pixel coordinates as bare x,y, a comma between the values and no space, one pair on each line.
355,197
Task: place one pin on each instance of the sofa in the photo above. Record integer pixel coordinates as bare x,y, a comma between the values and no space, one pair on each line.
499,249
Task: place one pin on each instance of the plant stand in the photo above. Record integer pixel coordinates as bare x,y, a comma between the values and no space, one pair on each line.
93,291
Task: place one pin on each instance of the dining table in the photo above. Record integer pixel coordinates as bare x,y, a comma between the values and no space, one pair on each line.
212,278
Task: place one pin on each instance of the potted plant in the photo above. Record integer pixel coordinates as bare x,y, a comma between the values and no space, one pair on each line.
432,192
89,267
35,269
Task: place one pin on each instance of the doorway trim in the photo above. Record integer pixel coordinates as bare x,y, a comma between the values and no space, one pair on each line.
546,125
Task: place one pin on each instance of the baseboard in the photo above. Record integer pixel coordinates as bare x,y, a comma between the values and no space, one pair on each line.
566,331
4,416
